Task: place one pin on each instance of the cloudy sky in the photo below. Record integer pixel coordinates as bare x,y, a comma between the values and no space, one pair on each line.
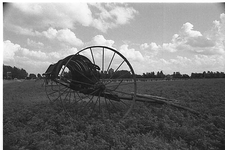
185,37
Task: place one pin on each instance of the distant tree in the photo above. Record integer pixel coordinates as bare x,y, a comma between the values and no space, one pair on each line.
185,76
149,75
15,72
177,75
204,74
161,74
158,75
32,76
39,76
122,74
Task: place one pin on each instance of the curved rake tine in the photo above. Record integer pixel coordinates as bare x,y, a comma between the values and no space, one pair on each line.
82,74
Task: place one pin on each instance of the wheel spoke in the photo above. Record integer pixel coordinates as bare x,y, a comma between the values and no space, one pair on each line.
92,56
124,103
118,85
90,100
106,105
54,91
111,61
61,94
95,103
66,94
117,68
70,96
113,104
103,60
117,78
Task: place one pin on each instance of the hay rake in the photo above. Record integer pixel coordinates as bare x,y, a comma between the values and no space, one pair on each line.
96,80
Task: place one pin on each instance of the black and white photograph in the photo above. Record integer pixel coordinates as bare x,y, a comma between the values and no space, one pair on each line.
113,75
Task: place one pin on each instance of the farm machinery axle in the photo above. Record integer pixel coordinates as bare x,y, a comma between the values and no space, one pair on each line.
97,79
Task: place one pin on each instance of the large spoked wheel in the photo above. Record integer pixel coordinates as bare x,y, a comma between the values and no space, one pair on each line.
109,90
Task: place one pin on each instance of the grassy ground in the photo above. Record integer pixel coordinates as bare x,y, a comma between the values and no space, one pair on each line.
30,122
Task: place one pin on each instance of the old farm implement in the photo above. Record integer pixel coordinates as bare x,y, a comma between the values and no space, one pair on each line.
98,80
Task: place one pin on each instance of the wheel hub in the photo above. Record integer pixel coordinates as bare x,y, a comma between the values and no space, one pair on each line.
100,86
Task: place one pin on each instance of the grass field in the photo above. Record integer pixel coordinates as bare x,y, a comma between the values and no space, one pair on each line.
30,122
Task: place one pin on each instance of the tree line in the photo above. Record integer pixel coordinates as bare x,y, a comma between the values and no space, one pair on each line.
14,72
160,74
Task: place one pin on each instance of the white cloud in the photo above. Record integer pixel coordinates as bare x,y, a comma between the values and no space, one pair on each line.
131,54
9,50
187,30
21,30
100,40
67,15
123,14
55,56
111,15
32,60
144,46
61,15
66,35
190,40
31,8
200,41
151,46
33,54
187,37
76,12
210,63
63,35
51,33
12,50
170,47
34,43
151,49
